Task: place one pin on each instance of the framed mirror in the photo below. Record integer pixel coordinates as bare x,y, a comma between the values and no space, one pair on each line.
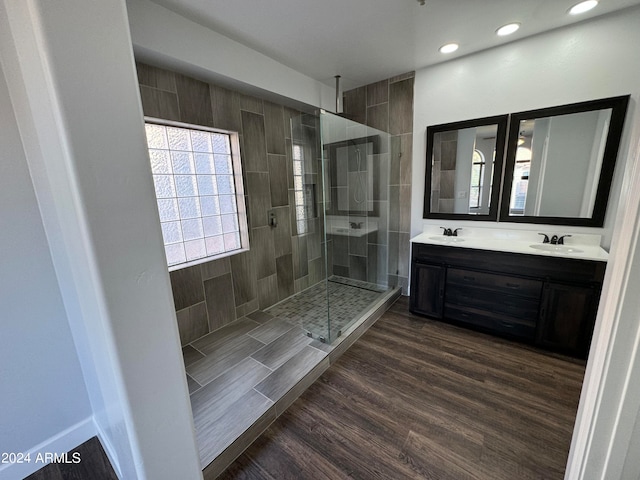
560,162
464,168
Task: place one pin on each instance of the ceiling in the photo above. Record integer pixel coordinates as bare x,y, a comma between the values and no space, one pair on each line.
369,40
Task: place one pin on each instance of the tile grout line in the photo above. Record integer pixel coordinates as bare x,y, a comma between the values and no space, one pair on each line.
192,346
261,341
232,366
263,395
265,366
319,349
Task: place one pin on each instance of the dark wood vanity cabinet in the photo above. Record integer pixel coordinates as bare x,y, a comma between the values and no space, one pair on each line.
548,301
567,315
429,279
501,303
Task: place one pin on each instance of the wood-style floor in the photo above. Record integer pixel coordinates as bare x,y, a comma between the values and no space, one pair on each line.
416,398
93,464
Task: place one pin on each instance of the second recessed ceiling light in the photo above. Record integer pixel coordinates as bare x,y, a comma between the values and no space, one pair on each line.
449,48
583,7
508,29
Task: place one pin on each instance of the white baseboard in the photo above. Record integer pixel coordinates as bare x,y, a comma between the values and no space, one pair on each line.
60,443
108,449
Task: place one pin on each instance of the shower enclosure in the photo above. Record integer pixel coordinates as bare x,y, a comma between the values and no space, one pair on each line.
339,198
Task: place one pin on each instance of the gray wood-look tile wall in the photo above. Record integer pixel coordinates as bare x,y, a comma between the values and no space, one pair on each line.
388,106
279,263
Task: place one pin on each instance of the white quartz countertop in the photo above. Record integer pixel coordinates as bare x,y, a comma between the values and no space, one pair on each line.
584,247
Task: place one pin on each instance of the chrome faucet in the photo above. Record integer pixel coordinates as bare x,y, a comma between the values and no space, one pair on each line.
356,225
455,232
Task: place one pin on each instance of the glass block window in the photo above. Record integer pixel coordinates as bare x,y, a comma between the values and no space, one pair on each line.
302,194
198,182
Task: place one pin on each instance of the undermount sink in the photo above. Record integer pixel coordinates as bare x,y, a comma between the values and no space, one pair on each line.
445,239
555,248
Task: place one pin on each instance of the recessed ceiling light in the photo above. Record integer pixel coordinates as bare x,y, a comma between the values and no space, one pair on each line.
583,7
449,48
507,29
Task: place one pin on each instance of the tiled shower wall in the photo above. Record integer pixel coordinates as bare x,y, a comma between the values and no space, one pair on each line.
279,263
388,106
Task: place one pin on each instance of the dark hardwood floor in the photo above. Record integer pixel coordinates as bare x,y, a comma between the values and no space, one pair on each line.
416,398
86,461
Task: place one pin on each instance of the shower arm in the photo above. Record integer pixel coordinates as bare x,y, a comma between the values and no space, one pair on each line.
338,106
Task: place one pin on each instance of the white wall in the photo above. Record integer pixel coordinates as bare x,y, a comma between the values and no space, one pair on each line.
161,37
43,392
71,77
595,59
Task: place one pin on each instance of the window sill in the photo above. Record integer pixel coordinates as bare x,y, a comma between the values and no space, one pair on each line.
198,261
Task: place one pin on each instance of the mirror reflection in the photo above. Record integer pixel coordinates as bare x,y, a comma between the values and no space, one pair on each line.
464,162
354,170
560,163
557,164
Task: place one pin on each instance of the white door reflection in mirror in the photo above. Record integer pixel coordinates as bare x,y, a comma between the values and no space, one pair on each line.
558,163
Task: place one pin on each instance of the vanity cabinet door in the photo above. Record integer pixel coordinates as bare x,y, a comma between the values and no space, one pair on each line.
567,317
427,289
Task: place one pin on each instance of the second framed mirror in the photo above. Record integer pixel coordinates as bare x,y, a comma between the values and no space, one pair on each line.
464,168
560,163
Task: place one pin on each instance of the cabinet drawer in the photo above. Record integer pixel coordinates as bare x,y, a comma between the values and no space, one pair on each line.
524,287
525,308
495,322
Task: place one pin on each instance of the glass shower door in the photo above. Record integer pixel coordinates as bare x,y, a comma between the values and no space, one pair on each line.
307,227
356,165
339,220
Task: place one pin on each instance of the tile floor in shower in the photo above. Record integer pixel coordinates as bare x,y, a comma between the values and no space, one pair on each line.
347,299
245,372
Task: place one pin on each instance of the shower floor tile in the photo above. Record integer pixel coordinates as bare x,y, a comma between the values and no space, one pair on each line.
347,299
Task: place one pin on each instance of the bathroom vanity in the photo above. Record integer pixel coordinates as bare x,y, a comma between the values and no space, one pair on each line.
555,171
547,296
